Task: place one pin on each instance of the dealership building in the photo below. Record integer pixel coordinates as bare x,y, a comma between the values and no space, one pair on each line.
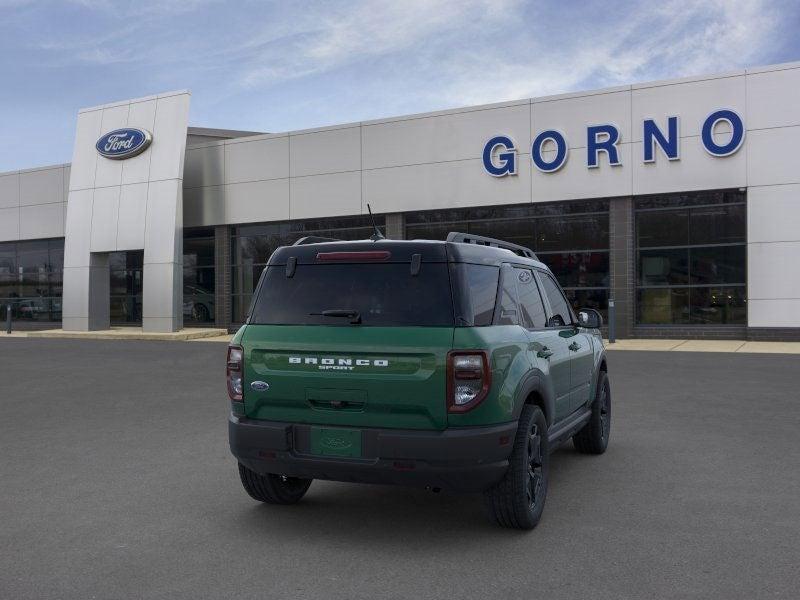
677,200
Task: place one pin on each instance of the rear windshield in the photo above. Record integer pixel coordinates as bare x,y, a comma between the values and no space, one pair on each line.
383,295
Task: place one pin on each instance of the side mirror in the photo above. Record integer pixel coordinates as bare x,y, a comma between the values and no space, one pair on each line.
590,318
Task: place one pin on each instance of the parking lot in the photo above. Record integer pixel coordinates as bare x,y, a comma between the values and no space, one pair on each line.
116,482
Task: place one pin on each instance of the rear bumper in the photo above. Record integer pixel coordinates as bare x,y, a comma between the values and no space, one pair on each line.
465,459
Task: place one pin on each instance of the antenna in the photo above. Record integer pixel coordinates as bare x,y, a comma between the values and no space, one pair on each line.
377,236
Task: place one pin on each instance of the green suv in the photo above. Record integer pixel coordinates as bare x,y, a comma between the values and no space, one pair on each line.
454,365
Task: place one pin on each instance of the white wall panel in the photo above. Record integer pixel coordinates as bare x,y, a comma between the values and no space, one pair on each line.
772,270
575,180
204,166
163,202
41,221
773,213
696,170
84,157
9,224
75,303
204,206
572,115
9,190
132,212
442,185
773,99
109,171
105,218
169,137
773,156
328,151
325,195
773,313
692,101
257,160
257,201
443,138
44,186
79,215
141,115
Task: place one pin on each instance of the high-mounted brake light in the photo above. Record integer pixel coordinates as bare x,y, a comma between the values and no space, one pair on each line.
468,379
234,372
355,256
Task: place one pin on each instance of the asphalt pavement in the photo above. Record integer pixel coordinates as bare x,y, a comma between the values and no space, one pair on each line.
116,482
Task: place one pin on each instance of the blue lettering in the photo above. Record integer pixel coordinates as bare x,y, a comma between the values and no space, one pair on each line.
507,159
561,151
736,140
607,143
652,135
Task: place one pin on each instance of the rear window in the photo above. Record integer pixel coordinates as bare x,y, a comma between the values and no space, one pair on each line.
383,294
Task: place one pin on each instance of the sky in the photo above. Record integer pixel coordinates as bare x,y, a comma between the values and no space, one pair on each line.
283,65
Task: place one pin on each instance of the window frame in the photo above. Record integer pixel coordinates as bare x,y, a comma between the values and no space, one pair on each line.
540,273
545,303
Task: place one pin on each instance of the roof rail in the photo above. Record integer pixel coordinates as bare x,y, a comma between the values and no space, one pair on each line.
479,240
313,239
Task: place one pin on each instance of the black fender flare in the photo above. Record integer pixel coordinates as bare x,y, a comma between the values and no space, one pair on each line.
536,381
601,358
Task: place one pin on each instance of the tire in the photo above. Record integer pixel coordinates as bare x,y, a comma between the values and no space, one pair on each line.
593,438
517,501
273,489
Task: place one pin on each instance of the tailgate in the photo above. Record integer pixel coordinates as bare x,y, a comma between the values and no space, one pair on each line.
354,376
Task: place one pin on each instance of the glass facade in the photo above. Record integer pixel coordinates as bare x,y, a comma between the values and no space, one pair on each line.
569,237
31,275
253,244
126,287
691,259
198,277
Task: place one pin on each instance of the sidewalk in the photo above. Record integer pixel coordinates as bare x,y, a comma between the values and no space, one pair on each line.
706,346
122,333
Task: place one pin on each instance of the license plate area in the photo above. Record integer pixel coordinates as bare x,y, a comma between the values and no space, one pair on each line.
333,441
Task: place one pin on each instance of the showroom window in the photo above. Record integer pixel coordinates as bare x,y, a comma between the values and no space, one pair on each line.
198,276
125,269
691,259
569,237
31,275
252,246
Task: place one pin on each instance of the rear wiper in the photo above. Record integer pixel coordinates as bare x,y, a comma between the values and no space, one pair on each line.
353,315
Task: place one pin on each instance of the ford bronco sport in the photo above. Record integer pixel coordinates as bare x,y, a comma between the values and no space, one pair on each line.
454,365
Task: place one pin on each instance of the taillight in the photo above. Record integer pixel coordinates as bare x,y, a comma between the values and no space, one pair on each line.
234,372
468,379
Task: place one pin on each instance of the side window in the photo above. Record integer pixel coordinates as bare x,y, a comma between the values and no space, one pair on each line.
530,301
507,303
561,313
482,283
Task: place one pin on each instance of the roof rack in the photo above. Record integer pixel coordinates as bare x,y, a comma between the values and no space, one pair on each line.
479,240
313,239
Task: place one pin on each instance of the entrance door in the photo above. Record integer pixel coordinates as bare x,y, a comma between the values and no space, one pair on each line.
126,287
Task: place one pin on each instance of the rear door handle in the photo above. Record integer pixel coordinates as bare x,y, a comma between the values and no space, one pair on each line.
574,346
545,352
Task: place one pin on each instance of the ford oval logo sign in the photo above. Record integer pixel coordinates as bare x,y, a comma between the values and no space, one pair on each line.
123,143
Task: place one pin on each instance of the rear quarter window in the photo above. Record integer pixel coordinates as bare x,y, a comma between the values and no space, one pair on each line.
384,294
476,290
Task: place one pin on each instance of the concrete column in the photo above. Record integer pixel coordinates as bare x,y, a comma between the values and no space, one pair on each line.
222,276
621,263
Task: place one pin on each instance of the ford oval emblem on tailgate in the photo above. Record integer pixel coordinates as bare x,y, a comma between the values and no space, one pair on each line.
259,386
